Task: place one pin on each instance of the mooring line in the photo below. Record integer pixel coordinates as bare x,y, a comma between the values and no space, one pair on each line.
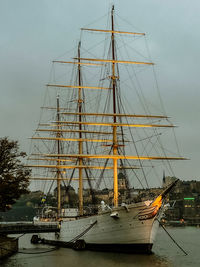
39,252
84,232
70,243
172,238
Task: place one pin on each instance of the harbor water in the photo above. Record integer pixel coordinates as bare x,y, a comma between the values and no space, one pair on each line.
165,253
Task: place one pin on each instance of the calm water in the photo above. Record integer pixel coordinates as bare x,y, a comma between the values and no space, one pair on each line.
165,253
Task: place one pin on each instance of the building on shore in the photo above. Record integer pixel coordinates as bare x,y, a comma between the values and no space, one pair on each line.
184,202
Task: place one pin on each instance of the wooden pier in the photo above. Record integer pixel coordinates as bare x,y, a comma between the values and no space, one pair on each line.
28,227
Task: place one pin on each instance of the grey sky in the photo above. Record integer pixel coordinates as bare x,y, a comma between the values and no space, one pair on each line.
33,33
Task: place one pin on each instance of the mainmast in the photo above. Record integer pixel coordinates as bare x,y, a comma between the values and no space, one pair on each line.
80,143
58,173
115,178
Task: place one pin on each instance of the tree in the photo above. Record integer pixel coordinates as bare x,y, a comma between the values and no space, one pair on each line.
14,176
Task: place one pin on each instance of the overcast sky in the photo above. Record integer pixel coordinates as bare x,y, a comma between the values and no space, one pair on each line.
34,32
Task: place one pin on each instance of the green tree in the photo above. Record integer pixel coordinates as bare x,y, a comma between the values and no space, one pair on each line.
14,176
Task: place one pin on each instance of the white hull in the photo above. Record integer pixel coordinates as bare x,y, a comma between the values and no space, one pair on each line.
111,232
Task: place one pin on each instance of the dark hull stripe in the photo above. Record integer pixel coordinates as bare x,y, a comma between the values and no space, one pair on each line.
125,248
136,248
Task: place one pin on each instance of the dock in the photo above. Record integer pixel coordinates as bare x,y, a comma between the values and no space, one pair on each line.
28,227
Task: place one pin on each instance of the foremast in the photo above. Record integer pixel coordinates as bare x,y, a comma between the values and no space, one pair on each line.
80,143
115,145
58,172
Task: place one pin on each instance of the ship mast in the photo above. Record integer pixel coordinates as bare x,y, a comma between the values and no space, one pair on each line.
61,135
58,173
115,181
80,143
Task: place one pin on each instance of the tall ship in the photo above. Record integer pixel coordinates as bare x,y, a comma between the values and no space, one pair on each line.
91,139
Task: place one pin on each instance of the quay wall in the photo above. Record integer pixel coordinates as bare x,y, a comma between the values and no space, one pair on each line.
8,246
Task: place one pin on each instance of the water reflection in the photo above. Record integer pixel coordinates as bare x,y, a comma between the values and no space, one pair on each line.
69,257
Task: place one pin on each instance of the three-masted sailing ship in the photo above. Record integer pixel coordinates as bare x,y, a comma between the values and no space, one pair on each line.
90,139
